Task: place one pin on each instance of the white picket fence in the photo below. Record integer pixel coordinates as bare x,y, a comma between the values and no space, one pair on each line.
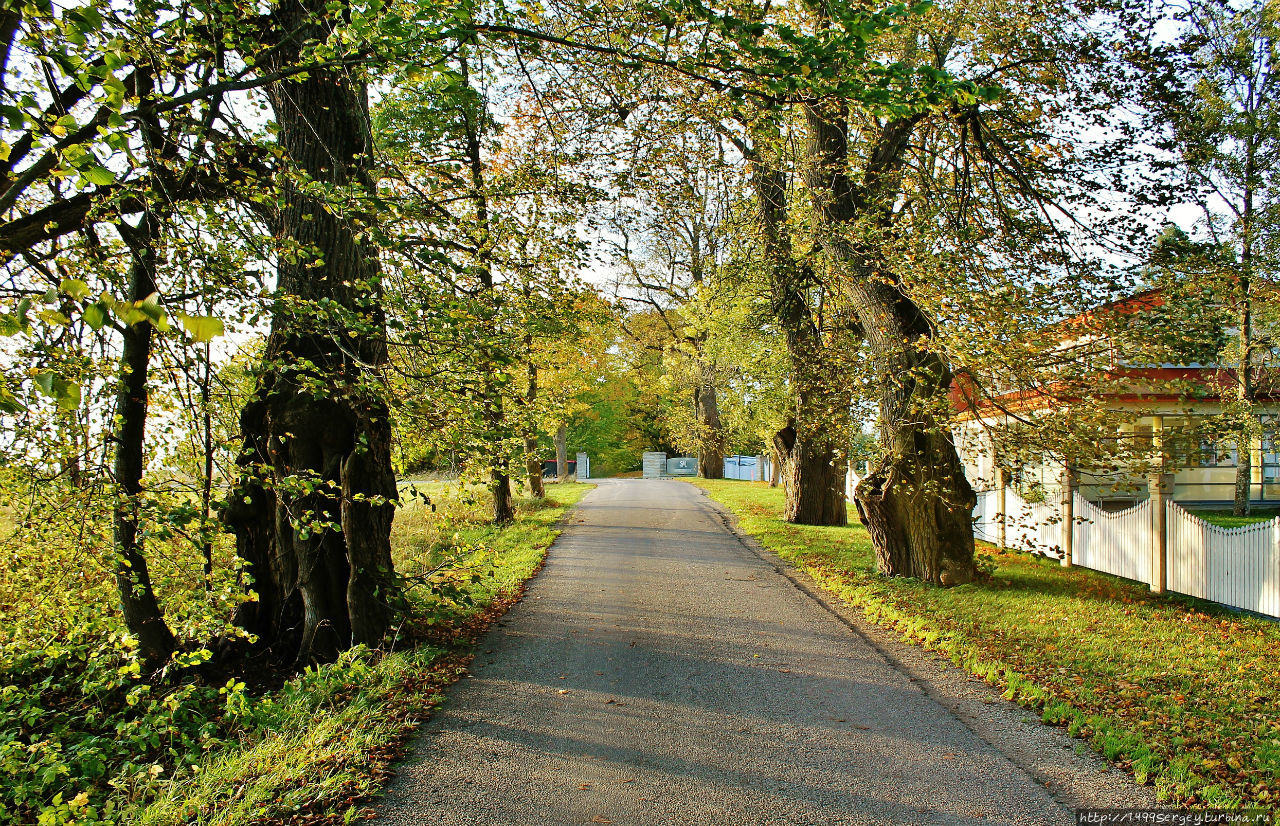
1239,567
1030,526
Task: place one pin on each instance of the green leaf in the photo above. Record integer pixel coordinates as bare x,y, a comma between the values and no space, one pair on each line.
53,318
67,394
150,306
95,315
9,403
151,310
99,175
202,327
74,287
44,381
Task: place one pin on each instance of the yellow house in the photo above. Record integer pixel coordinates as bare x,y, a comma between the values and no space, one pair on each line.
1156,412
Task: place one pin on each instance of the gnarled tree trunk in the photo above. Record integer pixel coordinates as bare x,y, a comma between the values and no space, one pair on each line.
917,502
312,512
710,431
812,478
809,461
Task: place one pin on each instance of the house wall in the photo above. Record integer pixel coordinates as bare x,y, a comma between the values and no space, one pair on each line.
1191,484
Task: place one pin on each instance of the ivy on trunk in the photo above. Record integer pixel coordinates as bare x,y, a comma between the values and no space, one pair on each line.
312,512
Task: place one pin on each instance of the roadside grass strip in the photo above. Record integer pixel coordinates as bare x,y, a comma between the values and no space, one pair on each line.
320,748
1224,518
1181,693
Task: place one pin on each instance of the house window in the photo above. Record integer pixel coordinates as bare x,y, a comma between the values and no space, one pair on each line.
1270,456
1213,454
1143,438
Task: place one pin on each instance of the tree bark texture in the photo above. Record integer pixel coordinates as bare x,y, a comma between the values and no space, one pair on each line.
532,458
533,467
138,603
812,478
1248,425
313,510
917,502
492,414
706,407
562,453
810,461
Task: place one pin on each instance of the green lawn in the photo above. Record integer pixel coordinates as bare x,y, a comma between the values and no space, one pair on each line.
1183,695
1224,518
321,747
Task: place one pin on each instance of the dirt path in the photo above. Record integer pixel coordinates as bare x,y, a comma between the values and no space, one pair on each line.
659,671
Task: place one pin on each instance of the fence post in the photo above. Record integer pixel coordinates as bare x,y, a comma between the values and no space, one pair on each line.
1275,569
1001,481
1070,480
1161,486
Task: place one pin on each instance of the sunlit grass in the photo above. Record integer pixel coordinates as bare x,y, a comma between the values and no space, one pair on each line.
1224,518
1183,694
332,733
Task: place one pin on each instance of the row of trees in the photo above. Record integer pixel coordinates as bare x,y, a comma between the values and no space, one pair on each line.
984,220
361,226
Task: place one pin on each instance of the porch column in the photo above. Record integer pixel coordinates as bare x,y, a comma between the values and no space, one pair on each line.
1002,481
1070,482
1160,485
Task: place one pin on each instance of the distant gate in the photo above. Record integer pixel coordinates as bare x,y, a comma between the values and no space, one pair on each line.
747,468
682,466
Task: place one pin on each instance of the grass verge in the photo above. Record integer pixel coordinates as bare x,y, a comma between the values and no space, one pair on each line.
1182,694
319,749
1224,518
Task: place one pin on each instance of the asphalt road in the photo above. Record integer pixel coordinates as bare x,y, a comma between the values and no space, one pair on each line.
660,671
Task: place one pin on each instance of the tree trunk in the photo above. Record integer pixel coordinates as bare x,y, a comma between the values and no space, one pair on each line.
533,467
1244,380
813,482
917,502
710,431
814,487
141,610
206,482
312,512
500,486
1244,474
493,414
532,459
562,453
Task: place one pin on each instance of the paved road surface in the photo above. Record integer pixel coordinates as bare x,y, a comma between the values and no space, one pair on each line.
659,671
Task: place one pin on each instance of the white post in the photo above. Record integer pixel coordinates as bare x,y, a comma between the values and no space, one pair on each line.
1002,481
1275,566
1161,486
1069,484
